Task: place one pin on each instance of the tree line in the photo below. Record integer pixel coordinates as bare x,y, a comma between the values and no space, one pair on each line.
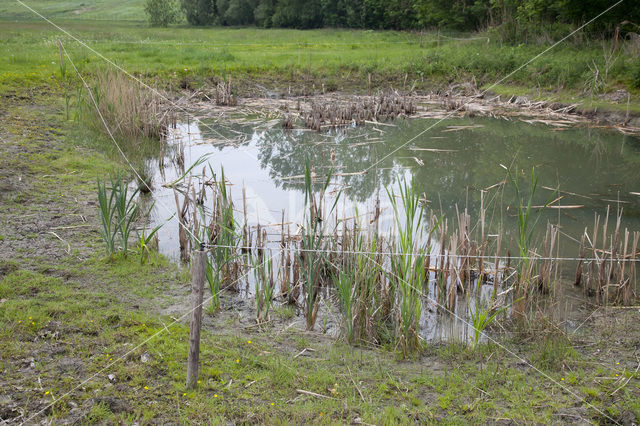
517,16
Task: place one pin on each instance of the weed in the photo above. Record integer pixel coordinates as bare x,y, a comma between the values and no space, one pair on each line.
481,318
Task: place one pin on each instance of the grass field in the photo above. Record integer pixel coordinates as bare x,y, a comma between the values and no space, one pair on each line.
75,9
345,60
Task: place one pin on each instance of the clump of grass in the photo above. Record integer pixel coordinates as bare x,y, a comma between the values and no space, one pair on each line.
553,352
145,242
481,318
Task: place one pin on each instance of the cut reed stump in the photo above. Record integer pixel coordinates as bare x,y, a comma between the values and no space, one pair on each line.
198,266
581,255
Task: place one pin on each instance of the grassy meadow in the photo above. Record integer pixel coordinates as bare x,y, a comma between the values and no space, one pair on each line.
311,61
89,339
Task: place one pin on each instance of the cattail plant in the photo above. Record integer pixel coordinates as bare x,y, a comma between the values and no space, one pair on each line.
264,281
357,283
106,205
126,209
407,265
312,258
527,222
118,212
220,232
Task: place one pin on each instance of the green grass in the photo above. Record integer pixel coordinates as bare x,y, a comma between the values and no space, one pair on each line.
256,377
338,59
75,9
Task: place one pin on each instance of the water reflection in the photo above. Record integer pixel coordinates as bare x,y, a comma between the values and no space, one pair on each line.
592,168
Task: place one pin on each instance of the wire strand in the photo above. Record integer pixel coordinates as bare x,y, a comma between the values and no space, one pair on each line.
436,255
520,358
127,73
120,358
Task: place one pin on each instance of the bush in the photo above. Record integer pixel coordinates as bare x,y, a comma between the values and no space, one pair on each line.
161,13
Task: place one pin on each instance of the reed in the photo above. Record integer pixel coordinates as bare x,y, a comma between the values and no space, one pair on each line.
129,110
357,283
610,274
331,115
224,94
312,258
408,265
118,212
527,222
220,232
264,281
126,210
107,210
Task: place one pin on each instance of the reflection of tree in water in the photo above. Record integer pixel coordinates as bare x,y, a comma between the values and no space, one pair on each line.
285,153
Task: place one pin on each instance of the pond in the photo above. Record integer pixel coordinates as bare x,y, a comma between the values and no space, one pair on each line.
459,164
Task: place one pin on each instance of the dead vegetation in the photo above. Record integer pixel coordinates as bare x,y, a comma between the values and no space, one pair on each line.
130,110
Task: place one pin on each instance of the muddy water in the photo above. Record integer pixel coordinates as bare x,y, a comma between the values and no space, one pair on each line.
458,163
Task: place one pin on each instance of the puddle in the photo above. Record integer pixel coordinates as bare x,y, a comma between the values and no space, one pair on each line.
459,164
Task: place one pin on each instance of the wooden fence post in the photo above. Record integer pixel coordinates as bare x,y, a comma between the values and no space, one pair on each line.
198,266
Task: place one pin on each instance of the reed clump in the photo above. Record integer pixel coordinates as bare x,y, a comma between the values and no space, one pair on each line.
130,111
118,212
224,94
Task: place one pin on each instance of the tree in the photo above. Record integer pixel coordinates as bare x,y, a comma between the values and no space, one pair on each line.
161,13
199,12
264,12
300,14
240,12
